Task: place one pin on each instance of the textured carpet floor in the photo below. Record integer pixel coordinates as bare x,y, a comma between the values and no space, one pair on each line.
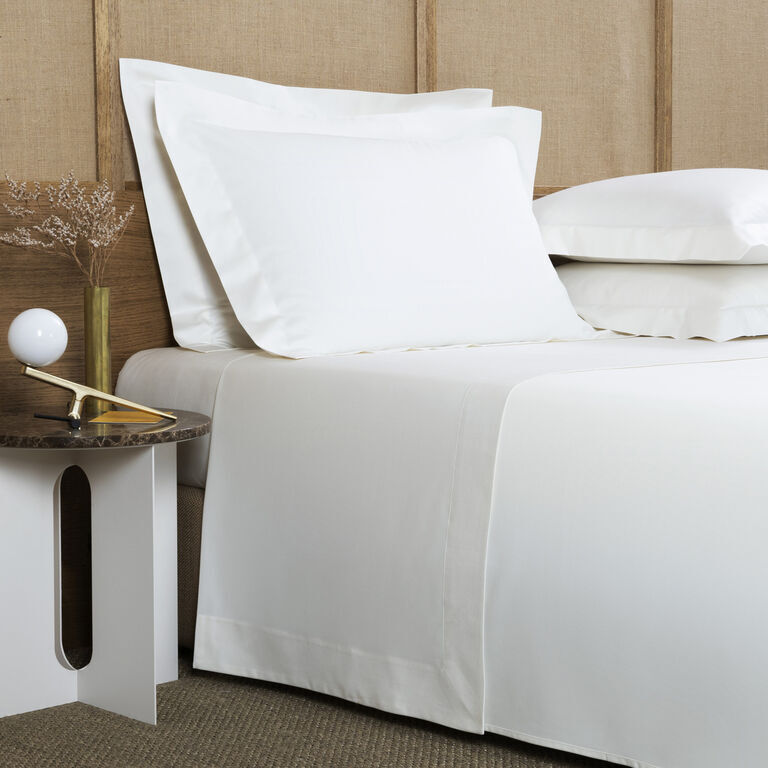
216,721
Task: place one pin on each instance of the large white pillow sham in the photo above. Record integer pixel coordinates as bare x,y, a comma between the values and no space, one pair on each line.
717,302
200,312
332,244
706,215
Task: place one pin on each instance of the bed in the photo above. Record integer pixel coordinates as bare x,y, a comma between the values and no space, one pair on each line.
421,625
433,488
558,541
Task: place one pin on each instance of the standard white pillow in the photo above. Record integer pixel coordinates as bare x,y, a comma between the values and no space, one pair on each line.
717,301
707,215
331,244
200,312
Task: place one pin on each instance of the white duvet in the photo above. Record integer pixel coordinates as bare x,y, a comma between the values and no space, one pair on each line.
614,609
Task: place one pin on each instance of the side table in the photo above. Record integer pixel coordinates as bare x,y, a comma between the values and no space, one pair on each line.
132,473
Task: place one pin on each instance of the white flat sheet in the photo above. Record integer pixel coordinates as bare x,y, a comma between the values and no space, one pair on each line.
183,379
627,612
346,533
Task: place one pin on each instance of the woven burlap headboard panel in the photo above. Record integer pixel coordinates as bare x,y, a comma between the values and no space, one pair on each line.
626,86
597,68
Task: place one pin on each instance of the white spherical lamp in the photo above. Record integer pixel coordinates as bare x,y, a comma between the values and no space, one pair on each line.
37,337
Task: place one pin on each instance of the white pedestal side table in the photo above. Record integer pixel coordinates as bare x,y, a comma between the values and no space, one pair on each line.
132,474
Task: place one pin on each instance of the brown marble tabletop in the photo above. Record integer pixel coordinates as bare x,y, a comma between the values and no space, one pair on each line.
23,430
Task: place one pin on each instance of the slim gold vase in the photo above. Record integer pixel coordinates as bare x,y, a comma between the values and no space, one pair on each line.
98,349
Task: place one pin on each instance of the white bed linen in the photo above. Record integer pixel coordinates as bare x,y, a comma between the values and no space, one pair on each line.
183,379
690,216
682,301
346,520
626,613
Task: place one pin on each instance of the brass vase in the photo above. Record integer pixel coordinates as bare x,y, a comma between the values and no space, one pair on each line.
98,349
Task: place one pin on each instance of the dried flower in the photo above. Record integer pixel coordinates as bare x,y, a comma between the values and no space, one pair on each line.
84,227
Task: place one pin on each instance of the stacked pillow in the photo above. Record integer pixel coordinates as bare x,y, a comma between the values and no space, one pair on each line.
201,313
313,222
681,254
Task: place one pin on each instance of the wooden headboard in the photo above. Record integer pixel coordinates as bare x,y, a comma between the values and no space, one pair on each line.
619,91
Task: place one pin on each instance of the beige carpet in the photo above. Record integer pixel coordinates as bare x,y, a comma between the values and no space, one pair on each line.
216,721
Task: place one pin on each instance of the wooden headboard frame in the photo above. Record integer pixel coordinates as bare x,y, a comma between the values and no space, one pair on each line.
140,316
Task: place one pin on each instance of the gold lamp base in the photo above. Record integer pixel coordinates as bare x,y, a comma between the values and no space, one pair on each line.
80,393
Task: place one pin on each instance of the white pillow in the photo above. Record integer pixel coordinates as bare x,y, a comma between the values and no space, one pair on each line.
333,244
717,301
200,312
707,215
520,125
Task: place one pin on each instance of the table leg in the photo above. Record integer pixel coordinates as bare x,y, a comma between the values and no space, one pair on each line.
133,497
166,574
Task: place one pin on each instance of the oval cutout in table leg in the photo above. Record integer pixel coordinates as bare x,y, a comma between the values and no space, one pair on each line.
74,620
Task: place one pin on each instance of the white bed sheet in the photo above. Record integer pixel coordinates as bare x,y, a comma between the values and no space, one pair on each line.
174,377
346,533
626,608
183,379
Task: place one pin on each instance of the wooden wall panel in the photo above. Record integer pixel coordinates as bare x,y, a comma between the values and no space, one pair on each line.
664,86
426,45
46,89
588,64
720,91
110,116
332,44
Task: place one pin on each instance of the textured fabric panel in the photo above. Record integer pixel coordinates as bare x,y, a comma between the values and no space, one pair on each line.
47,123
331,44
720,88
587,64
190,521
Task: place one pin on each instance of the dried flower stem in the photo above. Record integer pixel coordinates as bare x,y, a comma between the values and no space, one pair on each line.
84,227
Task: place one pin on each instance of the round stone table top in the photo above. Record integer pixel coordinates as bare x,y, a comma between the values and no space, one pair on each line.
23,430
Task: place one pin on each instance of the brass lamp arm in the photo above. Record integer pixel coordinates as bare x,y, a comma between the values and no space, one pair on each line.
81,392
